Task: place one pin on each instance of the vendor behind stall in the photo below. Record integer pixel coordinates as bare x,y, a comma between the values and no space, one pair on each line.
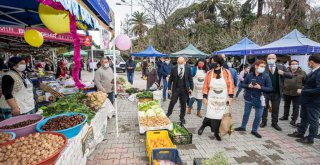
17,90
62,70
48,66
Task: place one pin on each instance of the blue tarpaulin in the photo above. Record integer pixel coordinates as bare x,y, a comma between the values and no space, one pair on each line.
25,12
293,43
149,52
241,48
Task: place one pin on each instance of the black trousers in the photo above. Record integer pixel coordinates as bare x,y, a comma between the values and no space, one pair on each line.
295,100
182,95
275,100
214,124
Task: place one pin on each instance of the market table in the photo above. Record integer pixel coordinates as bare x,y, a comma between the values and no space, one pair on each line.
81,146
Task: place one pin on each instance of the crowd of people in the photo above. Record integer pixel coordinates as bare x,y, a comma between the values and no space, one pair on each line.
212,82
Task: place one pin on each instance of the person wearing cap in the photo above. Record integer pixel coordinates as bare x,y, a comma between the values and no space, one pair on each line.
17,90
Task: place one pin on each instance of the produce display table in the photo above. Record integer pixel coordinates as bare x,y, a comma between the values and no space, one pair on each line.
81,146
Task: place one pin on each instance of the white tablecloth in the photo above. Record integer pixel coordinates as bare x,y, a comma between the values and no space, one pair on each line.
82,145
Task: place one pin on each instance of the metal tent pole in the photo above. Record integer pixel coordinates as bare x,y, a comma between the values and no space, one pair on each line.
115,85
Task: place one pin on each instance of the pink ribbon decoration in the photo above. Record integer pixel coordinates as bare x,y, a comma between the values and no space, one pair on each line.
76,43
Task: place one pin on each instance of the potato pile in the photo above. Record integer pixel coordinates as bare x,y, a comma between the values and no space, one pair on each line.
96,99
30,149
154,121
5,137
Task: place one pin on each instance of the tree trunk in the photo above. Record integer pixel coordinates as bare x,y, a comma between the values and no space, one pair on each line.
260,7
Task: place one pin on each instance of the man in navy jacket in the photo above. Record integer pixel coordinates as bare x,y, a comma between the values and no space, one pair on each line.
310,103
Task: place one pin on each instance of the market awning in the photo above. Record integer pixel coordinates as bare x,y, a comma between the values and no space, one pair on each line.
293,43
82,52
149,52
241,48
190,51
25,12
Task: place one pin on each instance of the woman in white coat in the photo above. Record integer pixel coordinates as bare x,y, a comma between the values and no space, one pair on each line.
199,74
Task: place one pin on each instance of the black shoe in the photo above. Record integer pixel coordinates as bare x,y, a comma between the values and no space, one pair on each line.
283,118
256,134
298,124
293,123
168,115
296,135
183,121
276,126
263,124
240,129
200,131
305,141
217,137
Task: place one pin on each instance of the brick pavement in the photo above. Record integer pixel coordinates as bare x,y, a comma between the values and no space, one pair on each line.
241,148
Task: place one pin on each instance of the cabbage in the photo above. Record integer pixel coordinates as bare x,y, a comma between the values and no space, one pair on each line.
155,106
150,113
158,110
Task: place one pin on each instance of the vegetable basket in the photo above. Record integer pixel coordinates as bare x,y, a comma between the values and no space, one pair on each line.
150,135
53,158
70,132
170,154
180,135
22,131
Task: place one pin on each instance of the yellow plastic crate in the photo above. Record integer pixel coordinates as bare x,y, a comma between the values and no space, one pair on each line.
150,135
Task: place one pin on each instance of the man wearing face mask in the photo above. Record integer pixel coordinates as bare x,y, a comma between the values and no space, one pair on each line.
17,89
290,89
181,84
277,73
103,79
165,72
310,103
255,84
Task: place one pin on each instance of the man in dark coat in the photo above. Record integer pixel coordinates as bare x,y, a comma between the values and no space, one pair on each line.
277,73
310,103
181,84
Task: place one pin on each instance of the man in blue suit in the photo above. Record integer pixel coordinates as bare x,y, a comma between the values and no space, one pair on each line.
310,103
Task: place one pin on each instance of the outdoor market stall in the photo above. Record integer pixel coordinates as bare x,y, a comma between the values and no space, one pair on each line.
79,119
190,51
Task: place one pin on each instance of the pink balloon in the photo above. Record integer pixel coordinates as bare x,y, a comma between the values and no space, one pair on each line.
123,42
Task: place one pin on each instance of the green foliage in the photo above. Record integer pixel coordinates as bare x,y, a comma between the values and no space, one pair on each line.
217,159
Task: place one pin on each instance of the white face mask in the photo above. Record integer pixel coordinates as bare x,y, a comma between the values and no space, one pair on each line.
271,61
106,65
294,67
21,67
180,65
261,69
229,65
167,62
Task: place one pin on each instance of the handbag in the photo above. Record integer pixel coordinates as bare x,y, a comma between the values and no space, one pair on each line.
226,123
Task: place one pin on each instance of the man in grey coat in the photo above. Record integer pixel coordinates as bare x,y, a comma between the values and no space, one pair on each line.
277,73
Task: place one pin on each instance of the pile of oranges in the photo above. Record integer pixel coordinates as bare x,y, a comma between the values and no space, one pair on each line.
159,143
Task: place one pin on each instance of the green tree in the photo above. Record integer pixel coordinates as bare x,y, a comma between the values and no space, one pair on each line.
139,21
229,11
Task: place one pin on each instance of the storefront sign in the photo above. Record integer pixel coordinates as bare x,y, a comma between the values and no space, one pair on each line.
47,34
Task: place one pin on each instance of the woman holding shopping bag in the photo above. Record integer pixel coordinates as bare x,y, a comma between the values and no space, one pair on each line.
218,91
199,75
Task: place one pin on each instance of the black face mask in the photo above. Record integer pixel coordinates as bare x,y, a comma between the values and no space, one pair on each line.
214,65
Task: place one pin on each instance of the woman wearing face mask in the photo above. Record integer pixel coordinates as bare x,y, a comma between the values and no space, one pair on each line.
290,88
255,84
218,91
17,89
199,75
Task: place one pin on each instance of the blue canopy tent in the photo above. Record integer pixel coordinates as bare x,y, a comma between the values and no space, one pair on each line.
293,43
241,48
148,52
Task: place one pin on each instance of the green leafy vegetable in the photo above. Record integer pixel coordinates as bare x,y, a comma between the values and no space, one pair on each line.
145,95
217,159
147,105
71,103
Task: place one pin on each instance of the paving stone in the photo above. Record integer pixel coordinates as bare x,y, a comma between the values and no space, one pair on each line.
129,147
